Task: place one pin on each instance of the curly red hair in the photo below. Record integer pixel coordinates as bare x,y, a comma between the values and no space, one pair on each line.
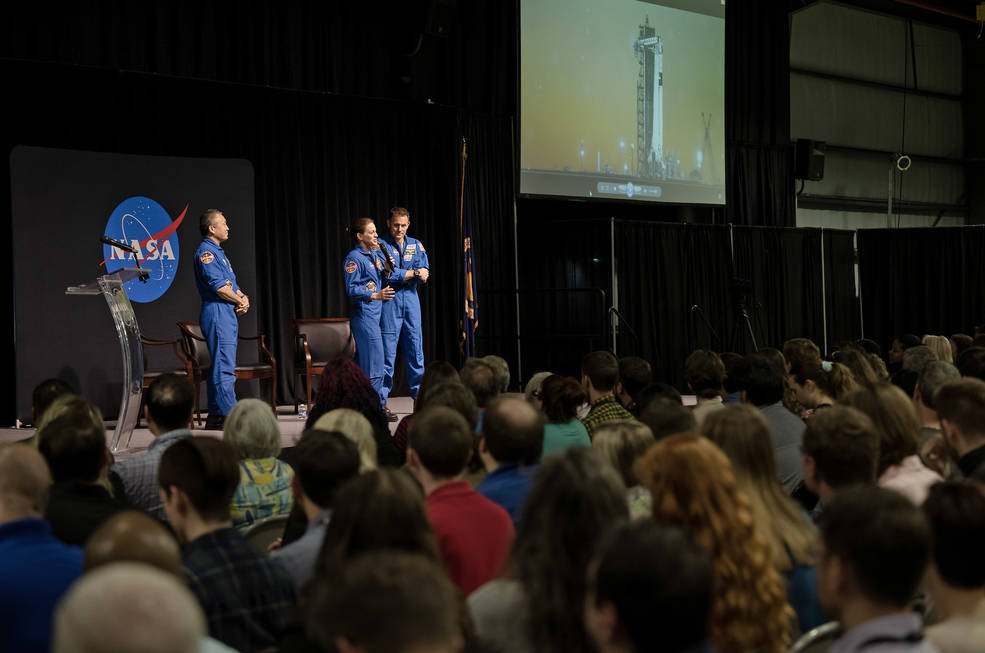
694,488
343,385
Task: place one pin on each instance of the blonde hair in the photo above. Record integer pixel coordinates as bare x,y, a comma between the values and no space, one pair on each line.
353,425
694,488
621,443
743,434
940,345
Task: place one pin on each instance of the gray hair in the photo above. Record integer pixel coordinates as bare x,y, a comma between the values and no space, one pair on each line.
934,375
915,358
501,370
353,425
251,428
533,385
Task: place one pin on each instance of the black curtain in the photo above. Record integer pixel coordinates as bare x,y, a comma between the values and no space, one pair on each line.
839,284
921,281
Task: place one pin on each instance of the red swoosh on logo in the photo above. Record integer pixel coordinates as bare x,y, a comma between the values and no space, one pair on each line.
162,235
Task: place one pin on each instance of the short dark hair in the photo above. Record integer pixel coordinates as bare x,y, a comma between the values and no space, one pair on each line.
435,372
442,439
398,210
206,470
654,391
660,583
956,513
934,375
799,350
479,377
170,399
454,395
561,396
758,377
206,220
73,445
667,417
634,374
46,392
905,380
844,444
513,430
602,369
882,536
963,404
971,362
704,371
729,359
323,461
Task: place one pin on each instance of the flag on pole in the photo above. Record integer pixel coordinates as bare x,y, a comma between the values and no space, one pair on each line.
470,315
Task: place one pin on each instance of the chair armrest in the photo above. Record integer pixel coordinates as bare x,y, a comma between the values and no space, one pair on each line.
153,343
263,347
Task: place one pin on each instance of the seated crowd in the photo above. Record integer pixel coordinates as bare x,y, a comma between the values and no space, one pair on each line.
782,491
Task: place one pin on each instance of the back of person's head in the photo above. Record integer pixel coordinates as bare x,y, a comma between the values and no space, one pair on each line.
561,396
729,359
882,538
170,400
934,375
532,390
435,372
634,374
25,482
798,351
46,392
355,427
206,470
844,444
128,607
833,379
869,346
956,514
915,358
961,342
441,441
480,378
775,357
858,363
324,460
760,379
879,367
971,362
652,392
940,345
908,340
658,583
743,434
343,385
251,428
621,443
895,418
602,370
704,372
422,606
501,370
513,431
962,404
666,417
905,380
132,536
73,443
454,395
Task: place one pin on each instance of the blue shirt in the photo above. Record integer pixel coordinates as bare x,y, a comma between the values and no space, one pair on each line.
139,473
299,557
212,271
508,486
35,571
408,255
364,276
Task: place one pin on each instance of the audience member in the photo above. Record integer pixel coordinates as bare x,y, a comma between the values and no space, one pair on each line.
971,362
474,534
655,391
704,373
694,489
820,384
535,606
323,462
666,417
879,367
35,568
775,357
841,449
761,385
900,345
248,600
599,375
905,380
387,602
510,448
799,352
479,377
435,372
132,536
961,408
649,589
874,548
264,481
168,412
501,370
74,446
959,343
127,607
634,374
941,346
356,428
955,578
915,358
895,418
344,385
858,364
729,359
44,394
743,434
561,397
532,391
621,444
869,346
933,448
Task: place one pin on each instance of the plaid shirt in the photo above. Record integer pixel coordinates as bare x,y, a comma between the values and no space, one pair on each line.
247,598
604,409
139,473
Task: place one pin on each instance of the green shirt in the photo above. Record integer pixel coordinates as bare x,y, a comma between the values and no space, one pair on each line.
559,436
604,409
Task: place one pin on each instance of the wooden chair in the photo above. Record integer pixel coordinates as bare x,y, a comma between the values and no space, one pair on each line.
317,341
264,532
155,366
198,363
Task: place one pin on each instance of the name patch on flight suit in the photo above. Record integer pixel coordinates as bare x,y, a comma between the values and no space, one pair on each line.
207,257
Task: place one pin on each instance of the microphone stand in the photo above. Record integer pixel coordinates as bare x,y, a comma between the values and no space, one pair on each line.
707,324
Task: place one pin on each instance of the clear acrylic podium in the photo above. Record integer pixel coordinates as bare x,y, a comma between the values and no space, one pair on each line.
110,286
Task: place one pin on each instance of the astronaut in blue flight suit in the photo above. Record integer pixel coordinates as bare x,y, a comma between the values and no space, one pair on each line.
222,302
365,278
402,316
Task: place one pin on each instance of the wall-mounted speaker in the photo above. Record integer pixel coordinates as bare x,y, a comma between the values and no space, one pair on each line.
809,159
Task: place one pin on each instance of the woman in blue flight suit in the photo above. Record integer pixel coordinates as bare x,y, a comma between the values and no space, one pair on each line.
364,283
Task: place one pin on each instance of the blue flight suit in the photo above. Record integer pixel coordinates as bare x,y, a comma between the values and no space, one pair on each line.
364,276
220,325
402,315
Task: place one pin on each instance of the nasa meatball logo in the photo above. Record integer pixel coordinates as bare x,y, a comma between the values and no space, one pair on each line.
143,224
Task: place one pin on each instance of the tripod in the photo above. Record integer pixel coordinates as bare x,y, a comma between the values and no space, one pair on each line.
742,323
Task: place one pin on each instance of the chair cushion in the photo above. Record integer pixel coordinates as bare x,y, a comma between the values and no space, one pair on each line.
254,367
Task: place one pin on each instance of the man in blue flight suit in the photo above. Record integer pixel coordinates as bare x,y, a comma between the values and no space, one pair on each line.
222,302
402,316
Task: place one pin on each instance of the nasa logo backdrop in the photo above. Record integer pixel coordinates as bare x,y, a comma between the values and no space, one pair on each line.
143,224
